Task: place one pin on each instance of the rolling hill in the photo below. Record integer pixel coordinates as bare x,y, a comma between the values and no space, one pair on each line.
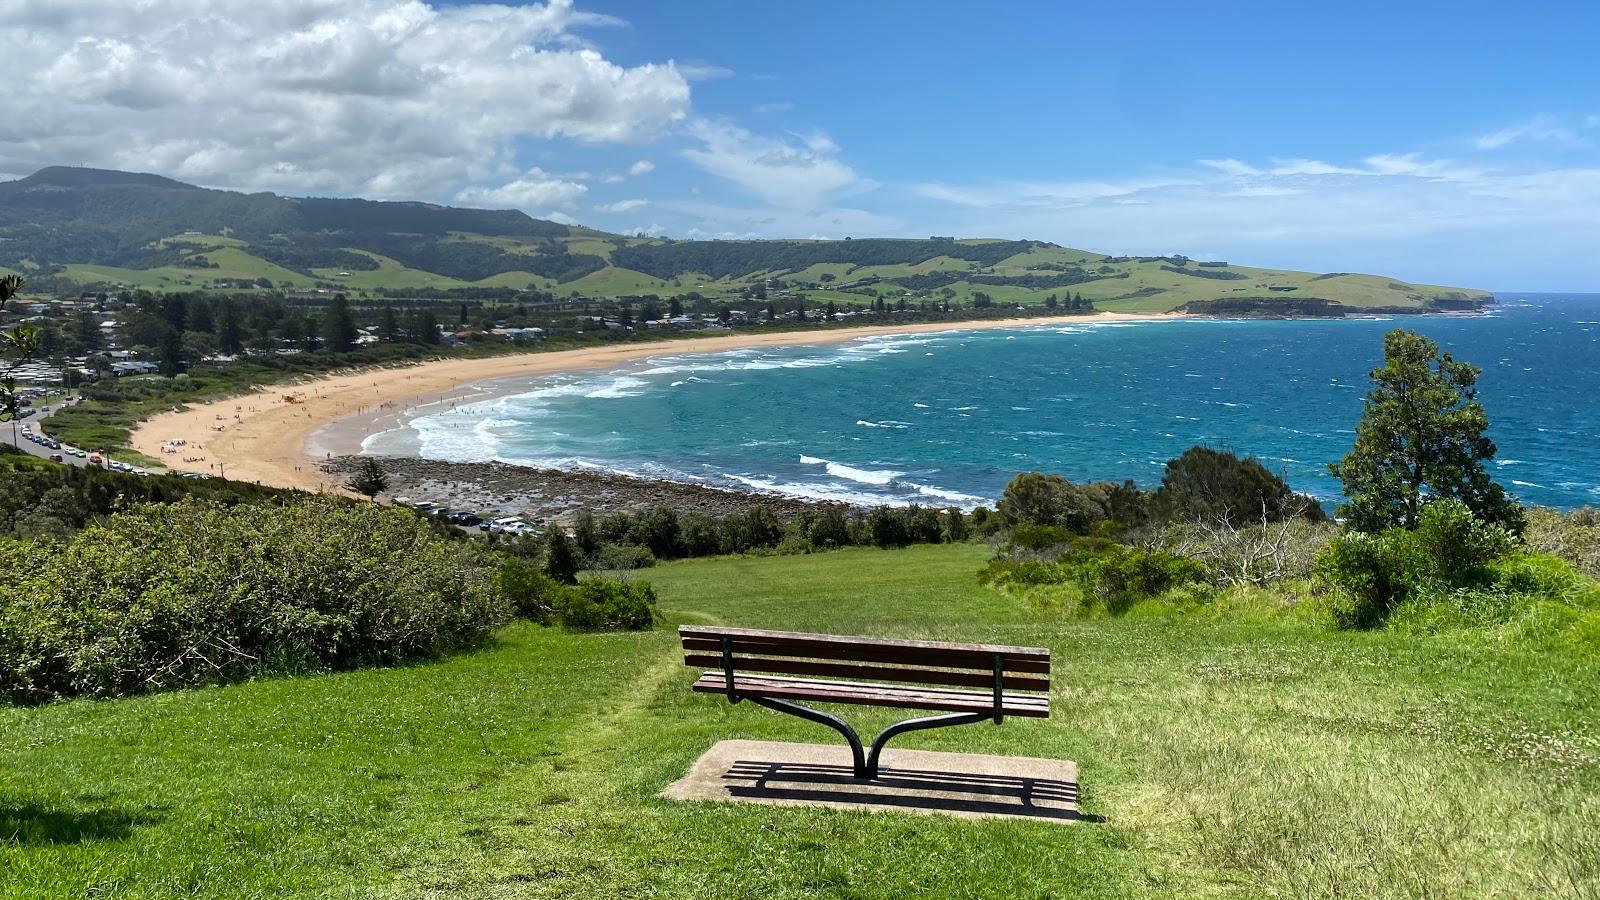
97,228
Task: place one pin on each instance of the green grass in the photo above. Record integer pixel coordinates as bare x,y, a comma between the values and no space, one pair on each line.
1224,759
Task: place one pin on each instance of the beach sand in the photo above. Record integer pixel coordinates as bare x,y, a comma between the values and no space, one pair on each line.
263,436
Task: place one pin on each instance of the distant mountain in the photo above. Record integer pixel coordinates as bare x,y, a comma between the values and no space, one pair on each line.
95,227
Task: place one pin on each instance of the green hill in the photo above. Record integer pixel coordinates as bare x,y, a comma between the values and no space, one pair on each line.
97,228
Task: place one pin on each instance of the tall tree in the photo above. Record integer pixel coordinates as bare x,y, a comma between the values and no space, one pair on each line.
229,338
19,344
1420,438
389,325
338,326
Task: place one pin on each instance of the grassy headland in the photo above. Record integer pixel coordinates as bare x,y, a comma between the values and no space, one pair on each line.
1252,759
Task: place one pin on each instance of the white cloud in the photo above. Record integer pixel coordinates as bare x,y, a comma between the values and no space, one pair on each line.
1539,129
642,167
386,98
622,206
800,172
534,189
702,71
1403,214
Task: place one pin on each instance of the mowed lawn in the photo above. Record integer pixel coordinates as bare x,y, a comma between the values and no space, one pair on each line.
1223,759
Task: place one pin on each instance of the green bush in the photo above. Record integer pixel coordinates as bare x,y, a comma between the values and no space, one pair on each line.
624,558
600,605
1122,575
701,536
1451,551
1371,573
190,593
531,593
829,528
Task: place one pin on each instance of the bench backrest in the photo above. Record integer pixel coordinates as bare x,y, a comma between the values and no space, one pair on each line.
873,659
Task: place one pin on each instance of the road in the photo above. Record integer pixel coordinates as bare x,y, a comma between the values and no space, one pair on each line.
27,446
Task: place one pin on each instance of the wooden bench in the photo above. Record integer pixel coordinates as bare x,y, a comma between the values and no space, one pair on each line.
774,669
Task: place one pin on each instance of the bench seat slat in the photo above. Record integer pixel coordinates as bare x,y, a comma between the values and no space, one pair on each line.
793,666
893,654
897,696
757,634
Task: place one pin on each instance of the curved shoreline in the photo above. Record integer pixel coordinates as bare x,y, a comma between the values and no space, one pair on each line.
262,436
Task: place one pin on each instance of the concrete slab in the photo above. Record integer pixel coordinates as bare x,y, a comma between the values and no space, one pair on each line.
966,785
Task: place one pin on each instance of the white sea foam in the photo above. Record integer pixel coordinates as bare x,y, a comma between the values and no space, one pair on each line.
886,423
861,476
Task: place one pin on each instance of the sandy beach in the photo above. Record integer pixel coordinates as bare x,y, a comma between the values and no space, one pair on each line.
263,436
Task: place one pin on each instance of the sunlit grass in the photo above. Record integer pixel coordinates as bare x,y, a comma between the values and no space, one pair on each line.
1224,758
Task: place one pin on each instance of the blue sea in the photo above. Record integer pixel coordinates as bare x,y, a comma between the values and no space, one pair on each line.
947,418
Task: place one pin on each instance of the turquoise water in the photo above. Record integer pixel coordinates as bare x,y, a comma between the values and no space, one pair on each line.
948,418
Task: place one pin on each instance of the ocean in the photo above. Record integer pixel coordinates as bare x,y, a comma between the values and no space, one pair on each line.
947,419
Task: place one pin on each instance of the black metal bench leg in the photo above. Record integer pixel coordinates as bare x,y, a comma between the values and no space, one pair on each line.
832,721
899,728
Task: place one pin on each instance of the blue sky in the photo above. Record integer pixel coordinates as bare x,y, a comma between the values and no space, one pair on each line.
1453,143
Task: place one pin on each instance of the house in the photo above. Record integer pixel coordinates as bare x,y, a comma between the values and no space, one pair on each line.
519,335
133,367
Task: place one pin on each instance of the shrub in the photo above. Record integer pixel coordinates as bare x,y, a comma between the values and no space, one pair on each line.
531,593
1573,536
829,528
561,560
624,558
1371,574
1457,546
701,537
1209,485
659,530
1034,498
887,526
755,528
1040,538
191,593
586,534
1122,575
601,605
955,526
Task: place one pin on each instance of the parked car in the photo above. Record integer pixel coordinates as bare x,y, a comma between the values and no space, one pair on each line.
465,519
56,457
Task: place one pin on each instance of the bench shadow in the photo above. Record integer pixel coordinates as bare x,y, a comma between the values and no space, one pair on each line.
951,792
31,824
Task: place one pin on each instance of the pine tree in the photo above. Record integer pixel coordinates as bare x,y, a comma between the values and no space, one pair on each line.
338,327
369,478
1421,437
389,325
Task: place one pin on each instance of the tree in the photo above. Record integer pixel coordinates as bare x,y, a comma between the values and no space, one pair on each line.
1208,485
389,325
1034,498
561,556
338,327
228,334
1420,438
20,342
369,478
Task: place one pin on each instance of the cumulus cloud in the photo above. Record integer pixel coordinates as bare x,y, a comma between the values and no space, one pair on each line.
385,98
534,189
789,172
642,167
622,206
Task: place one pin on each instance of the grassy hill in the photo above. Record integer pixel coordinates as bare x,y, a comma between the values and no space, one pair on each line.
1224,759
109,230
